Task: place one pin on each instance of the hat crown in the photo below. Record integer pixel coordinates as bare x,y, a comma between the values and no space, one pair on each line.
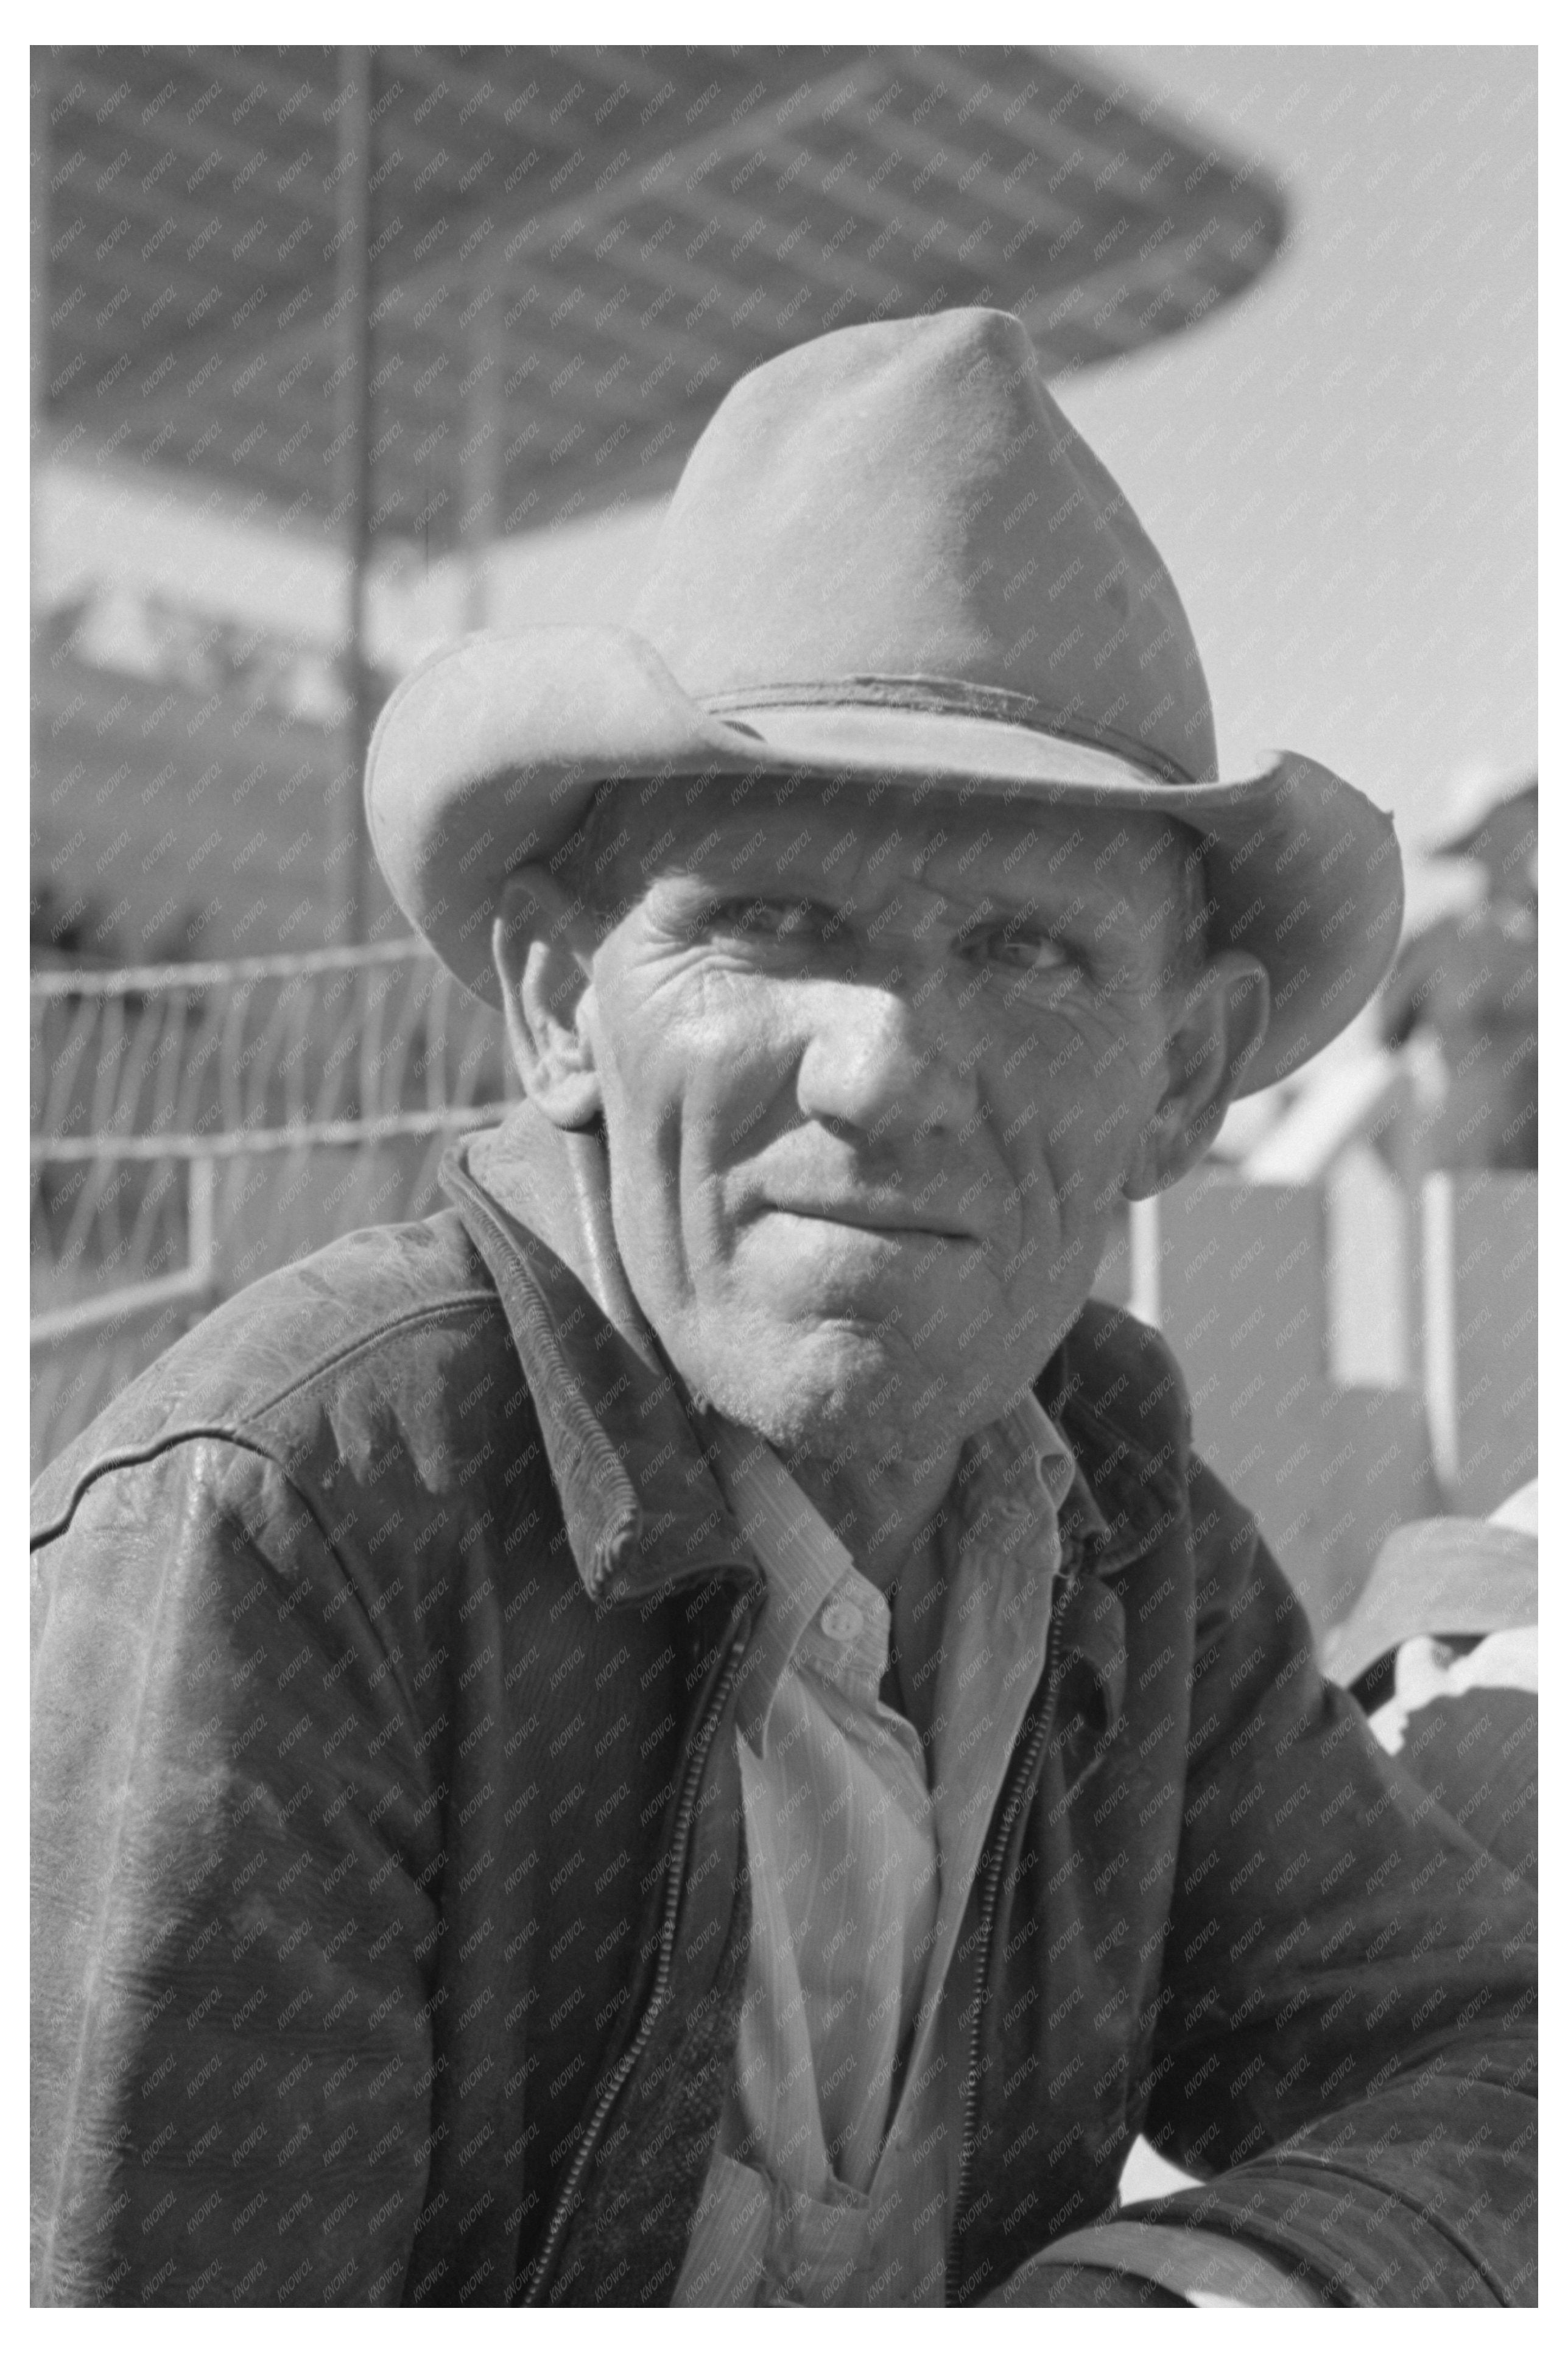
906,500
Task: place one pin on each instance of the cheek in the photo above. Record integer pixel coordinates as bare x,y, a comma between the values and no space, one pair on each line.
661,1041
1070,1112
736,1048
686,1098
645,1119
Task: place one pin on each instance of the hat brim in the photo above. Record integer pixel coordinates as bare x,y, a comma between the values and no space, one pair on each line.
487,757
1437,1576
1486,801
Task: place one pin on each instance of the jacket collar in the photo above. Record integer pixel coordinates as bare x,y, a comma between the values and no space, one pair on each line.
642,1506
1144,1486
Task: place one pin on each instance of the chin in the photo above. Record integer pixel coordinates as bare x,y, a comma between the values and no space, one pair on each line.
837,1391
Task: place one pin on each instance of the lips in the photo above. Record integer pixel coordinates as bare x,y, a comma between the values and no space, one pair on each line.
874,1217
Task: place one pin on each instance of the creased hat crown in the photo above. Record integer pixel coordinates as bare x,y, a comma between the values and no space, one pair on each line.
906,502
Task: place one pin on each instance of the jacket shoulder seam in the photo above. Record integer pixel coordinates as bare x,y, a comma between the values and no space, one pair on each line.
223,1435
131,1458
431,1313
236,1433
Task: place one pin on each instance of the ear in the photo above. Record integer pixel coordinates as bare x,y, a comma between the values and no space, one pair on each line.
1217,1028
543,945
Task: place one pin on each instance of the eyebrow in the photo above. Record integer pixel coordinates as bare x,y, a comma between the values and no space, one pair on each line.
711,863
1017,912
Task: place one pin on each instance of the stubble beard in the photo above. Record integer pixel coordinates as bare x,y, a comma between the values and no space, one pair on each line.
853,1403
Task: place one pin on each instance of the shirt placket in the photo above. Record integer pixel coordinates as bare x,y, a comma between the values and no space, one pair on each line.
1006,1575
820,1666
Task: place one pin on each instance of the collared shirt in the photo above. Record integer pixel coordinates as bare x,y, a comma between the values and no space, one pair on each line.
837,2161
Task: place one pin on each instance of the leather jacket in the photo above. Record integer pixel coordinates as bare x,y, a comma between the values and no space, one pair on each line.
390,1898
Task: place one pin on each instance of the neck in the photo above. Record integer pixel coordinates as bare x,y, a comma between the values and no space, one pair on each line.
881,1512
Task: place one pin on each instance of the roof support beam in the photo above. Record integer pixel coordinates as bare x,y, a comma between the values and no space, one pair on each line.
480,478
350,510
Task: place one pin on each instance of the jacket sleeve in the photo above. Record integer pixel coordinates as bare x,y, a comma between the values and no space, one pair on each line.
1346,2035
231,1838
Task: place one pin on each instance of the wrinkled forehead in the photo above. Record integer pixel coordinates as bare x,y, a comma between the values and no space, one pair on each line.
958,838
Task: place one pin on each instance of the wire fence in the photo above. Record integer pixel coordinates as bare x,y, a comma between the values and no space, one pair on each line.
169,1053
193,1125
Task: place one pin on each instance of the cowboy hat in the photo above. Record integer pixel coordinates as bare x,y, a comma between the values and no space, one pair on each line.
889,556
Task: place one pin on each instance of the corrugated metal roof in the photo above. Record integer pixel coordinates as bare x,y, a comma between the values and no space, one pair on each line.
575,252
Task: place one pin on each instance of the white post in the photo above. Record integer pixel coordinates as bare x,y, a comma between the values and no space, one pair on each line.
1143,1244
1439,1320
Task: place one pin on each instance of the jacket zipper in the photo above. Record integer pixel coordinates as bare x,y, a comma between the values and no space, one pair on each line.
1023,1782
663,1973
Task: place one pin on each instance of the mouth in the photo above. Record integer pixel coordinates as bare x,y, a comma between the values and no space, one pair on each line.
892,1220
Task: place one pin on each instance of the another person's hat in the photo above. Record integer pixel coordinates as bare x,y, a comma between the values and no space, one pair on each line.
889,556
1453,1576
1480,804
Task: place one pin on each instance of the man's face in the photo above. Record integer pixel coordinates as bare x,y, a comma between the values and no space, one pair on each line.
872,1079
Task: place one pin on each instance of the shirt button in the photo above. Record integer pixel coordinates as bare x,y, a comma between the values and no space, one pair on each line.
841,1622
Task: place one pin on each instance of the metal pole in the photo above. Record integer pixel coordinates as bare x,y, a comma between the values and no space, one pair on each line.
352,507
38,373
480,466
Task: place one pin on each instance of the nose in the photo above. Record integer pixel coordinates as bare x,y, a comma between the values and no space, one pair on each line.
887,1063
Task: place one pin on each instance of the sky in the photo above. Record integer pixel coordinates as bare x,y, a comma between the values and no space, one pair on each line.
1339,469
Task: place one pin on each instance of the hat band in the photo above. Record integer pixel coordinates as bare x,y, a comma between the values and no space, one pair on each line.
956,697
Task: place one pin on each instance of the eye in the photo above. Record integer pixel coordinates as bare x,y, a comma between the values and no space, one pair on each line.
1035,963
1025,953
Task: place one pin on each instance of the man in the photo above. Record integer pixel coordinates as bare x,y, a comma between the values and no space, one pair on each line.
1467,982
691,1729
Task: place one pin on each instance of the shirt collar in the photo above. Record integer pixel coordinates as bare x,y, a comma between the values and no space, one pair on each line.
1005,1473
805,1563
1022,1440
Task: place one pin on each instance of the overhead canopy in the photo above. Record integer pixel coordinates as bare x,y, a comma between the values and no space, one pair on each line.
446,296
574,252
